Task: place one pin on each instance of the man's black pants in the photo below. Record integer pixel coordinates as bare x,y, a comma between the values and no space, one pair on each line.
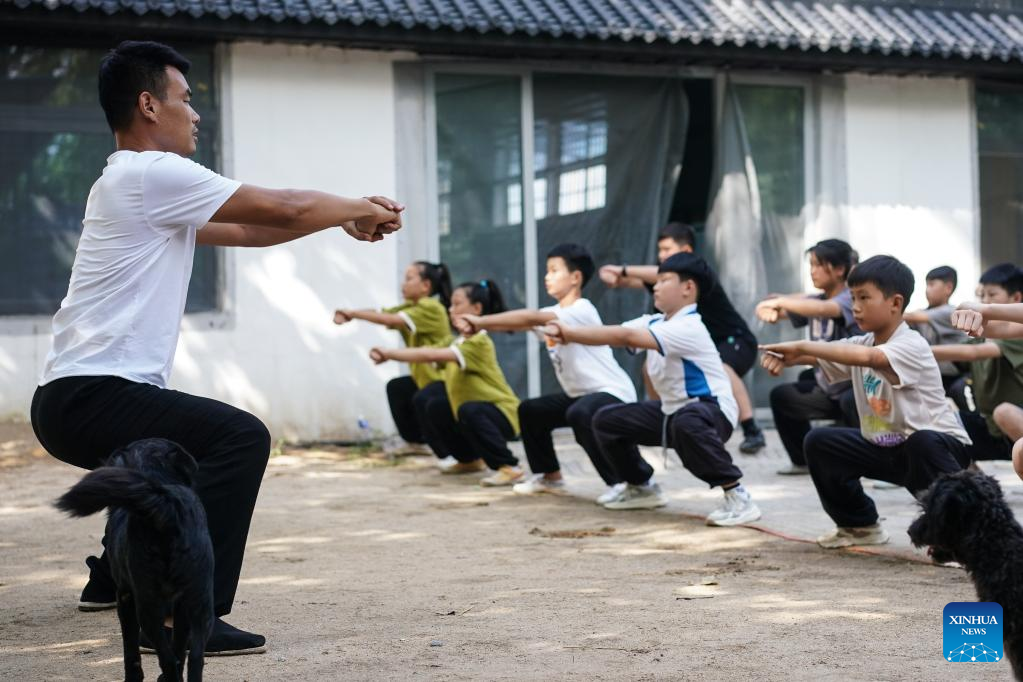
540,416
697,432
82,420
838,457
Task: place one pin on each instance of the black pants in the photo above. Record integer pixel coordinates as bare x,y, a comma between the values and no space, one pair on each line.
794,405
82,420
481,429
697,432
985,446
956,388
838,457
408,413
540,416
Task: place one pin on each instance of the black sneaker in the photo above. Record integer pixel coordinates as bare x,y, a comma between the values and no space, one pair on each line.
100,593
753,443
225,640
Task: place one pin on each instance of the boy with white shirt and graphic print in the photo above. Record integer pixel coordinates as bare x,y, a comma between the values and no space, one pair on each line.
697,412
104,383
590,377
908,435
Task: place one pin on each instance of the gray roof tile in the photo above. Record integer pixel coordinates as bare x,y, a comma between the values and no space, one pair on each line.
909,29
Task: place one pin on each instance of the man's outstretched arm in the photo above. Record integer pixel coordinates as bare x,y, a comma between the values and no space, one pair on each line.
254,216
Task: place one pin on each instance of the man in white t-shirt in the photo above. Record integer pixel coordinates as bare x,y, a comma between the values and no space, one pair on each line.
697,411
104,382
590,377
909,433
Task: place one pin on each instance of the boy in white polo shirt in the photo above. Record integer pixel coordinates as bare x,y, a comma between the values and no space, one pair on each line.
697,411
590,377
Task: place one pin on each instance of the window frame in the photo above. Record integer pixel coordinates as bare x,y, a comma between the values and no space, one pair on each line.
975,159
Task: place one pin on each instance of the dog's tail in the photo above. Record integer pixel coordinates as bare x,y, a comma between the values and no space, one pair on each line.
117,487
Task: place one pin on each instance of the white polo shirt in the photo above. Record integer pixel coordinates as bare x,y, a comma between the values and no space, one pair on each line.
686,364
124,305
582,370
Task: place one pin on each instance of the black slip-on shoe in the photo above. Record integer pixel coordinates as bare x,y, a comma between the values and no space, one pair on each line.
100,593
225,640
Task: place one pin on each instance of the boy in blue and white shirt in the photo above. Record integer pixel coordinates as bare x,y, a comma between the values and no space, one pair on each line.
697,411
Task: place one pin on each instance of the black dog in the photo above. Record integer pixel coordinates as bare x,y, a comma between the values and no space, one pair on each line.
965,519
161,558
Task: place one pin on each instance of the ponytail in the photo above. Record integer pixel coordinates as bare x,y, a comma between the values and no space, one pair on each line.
439,278
487,294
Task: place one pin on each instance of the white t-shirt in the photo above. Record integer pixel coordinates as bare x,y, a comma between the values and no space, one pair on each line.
123,309
686,363
889,414
582,370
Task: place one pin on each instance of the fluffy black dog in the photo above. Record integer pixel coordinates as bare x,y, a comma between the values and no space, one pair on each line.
965,519
161,558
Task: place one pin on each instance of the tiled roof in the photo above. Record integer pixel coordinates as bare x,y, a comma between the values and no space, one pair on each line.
910,29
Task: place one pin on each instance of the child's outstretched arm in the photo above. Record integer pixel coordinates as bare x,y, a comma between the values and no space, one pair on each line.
966,352
779,355
509,321
773,309
628,276
413,355
993,320
776,357
391,320
608,335
916,317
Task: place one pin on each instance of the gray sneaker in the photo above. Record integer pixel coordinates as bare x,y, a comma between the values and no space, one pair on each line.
851,537
794,470
736,509
647,496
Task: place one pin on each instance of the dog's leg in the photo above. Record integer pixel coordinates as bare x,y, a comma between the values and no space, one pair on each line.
129,638
180,639
151,617
199,631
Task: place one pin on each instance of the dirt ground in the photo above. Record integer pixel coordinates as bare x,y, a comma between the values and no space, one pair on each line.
359,568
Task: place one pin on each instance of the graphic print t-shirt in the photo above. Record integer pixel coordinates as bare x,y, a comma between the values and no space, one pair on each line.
889,413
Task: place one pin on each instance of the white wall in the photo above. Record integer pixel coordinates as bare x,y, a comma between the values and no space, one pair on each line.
910,175
310,118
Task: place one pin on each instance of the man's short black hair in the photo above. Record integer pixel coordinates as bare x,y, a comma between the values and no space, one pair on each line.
836,253
688,266
1005,275
887,273
131,68
680,233
945,273
577,259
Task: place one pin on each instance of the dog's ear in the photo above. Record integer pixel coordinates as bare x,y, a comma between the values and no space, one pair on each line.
182,463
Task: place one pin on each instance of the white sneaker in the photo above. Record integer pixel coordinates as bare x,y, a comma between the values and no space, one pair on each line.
647,496
446,463
611,493
850,537
536,484
736,509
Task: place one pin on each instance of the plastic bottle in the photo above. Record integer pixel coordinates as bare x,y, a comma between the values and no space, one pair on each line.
365,433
